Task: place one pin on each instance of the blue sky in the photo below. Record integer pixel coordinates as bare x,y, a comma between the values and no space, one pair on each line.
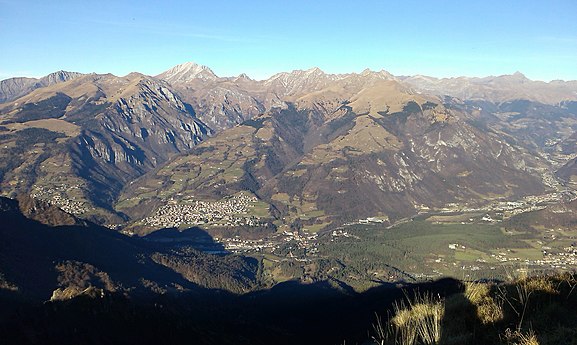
260,38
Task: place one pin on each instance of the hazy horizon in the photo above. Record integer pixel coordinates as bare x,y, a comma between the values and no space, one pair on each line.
437,38
302,69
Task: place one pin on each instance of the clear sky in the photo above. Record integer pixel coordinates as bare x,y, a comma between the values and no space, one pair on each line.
405,37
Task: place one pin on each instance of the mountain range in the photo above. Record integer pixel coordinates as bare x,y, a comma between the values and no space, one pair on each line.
313,148
190,184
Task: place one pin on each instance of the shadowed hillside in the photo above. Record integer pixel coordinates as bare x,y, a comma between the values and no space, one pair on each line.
40,261
290,313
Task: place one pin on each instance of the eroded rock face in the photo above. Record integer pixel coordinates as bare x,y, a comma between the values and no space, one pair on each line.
95,134
321,157
70,292
143,128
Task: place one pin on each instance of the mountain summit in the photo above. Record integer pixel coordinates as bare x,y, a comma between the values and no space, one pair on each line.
13,88
187,72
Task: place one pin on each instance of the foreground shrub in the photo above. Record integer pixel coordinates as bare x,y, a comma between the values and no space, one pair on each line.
519,338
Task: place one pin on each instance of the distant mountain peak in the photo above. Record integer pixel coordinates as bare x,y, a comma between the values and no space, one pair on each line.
186,72
382,74
16,87
314,70
520,76
300,81
58,77
243,76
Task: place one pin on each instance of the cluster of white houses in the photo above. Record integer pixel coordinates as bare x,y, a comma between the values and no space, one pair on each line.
59,196
232,211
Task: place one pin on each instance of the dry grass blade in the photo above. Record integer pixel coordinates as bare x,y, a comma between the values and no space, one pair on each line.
419,321
519,338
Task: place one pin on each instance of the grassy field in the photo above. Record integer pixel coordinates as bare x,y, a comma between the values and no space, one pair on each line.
365,255
424,249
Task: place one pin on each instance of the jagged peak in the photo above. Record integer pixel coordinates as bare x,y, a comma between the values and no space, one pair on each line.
379,74
243,76
186,72
515,76
54,75
190,65
63,73
134,75
315,70
298,73
519,75
367,71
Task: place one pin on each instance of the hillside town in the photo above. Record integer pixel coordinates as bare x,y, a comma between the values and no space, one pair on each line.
230,212
290,242
565,258
59,195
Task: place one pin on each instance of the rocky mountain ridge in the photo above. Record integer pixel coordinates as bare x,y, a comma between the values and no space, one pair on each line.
330,165
187,72
226,101
13,88
311,184
497,89
80,142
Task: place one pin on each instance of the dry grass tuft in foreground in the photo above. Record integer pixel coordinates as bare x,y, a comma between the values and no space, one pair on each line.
416,321
529,310
519,338
419,321
489,310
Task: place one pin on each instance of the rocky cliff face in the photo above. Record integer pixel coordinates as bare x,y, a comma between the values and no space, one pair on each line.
95,134
149,117
218,102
